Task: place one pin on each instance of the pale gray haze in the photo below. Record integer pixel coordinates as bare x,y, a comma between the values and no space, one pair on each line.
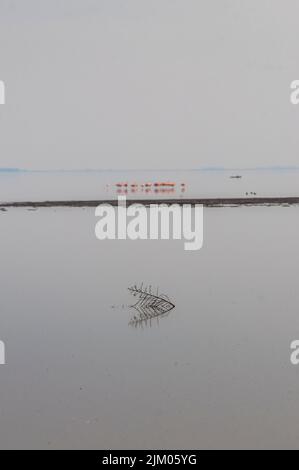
148,83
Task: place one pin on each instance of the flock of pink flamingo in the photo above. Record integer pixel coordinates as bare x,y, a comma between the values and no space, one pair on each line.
158,187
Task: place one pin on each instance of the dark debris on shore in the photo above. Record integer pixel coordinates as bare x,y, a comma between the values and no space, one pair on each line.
207,202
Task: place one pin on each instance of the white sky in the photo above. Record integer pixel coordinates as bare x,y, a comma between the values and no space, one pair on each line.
148,83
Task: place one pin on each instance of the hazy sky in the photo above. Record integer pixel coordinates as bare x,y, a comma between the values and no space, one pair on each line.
148,83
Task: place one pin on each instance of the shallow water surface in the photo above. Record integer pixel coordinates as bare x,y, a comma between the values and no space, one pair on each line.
213,373
99,185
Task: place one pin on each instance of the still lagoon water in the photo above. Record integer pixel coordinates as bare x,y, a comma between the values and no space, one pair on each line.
214,372
84,185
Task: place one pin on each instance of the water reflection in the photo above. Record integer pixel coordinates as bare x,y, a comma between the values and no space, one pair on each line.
141,321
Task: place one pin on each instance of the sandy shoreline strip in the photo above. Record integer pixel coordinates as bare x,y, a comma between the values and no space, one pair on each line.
207,202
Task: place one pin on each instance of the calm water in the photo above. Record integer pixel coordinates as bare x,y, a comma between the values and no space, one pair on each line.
33,186
214,373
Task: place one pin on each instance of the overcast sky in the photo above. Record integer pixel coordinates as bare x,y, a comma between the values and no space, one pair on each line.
148,83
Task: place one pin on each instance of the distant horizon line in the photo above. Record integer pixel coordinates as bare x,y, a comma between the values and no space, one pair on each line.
94,170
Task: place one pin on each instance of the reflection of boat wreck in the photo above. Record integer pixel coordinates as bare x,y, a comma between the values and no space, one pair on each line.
149,305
